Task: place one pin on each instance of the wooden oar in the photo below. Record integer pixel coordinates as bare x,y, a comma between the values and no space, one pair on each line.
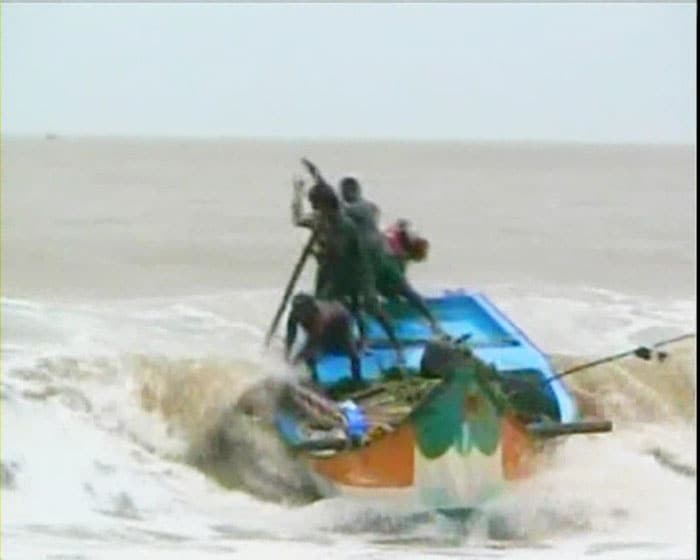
290,285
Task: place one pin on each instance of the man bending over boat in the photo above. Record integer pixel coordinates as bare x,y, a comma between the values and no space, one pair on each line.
328,326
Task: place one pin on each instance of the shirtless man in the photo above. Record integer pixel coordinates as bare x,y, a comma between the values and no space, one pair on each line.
328,326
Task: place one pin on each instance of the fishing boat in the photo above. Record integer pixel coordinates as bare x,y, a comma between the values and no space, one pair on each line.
464,416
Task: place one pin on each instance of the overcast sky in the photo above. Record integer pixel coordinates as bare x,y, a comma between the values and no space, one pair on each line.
505,71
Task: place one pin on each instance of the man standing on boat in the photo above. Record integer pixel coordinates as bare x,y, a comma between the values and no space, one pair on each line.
363,212
389,267
312,220
347,273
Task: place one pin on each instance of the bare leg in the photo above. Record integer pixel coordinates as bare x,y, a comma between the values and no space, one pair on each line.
374,309
356,312
352,350
417,301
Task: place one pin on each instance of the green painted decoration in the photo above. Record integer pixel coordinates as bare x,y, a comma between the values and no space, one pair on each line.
464,412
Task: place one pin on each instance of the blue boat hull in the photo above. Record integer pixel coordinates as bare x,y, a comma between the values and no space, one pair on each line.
470,435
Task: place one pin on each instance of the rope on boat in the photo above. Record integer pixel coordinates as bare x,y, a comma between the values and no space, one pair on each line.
643,352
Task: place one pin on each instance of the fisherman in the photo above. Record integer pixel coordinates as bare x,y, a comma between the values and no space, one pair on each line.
405,244
363,212
398,239
328,326
347,271
389,267
300,219
392,283
312,220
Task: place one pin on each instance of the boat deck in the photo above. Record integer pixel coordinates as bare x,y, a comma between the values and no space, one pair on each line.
492,336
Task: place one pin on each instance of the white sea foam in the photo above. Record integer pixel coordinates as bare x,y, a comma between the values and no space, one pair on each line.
133,315
104,403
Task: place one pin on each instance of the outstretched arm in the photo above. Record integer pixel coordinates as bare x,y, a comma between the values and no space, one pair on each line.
300,219
308,352
313,170
310,344
315,173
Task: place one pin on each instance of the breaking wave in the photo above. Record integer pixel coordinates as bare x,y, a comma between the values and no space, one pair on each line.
171,412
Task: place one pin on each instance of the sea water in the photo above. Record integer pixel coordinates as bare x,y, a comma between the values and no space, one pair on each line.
139,277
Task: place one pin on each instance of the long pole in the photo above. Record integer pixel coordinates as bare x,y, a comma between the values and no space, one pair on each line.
643,352
290,286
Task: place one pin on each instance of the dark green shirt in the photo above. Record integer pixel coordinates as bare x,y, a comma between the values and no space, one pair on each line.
348,269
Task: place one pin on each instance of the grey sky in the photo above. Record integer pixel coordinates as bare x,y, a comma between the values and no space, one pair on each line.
582,72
